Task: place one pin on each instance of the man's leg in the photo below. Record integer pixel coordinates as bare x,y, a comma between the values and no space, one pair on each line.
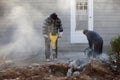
55,52
96,50
101,46
47,48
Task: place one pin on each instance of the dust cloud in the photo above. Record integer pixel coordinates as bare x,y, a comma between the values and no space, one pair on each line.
23,37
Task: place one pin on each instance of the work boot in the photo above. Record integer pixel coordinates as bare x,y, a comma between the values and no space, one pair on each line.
48,60
55,59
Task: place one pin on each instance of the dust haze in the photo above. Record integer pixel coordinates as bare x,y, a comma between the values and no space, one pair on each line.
21,27
20,38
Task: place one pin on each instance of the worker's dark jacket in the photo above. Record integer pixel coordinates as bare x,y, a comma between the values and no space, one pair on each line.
49,26
93,38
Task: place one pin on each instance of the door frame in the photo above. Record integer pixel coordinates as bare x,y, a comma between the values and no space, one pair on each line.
77,36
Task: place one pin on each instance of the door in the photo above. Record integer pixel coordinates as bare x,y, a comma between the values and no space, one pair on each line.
81,18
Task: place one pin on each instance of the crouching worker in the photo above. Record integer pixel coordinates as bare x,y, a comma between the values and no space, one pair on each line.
95,42
52,30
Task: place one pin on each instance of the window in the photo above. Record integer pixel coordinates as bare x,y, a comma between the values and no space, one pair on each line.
81,6
81,14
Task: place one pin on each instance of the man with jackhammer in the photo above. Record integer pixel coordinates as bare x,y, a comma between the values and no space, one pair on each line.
95,42
52,30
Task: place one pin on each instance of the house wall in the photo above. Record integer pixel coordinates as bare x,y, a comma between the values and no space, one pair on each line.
106,23
106,20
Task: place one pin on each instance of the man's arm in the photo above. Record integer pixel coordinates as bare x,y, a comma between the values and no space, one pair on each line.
60,25
90,42
60,28
45,27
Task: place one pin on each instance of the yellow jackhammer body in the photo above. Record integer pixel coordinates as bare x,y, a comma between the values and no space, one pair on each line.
53,39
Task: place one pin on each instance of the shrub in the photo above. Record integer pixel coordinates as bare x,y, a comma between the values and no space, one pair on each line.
115,45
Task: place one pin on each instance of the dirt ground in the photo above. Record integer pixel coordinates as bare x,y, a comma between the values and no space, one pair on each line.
92,71
36,68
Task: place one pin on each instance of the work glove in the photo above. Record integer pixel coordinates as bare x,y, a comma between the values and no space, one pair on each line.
90,49
60,34
45,36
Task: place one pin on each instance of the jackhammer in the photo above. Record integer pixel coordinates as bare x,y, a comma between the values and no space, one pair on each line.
53,38
89,52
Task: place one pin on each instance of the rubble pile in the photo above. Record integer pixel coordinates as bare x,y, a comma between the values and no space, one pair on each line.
36,72
94,70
